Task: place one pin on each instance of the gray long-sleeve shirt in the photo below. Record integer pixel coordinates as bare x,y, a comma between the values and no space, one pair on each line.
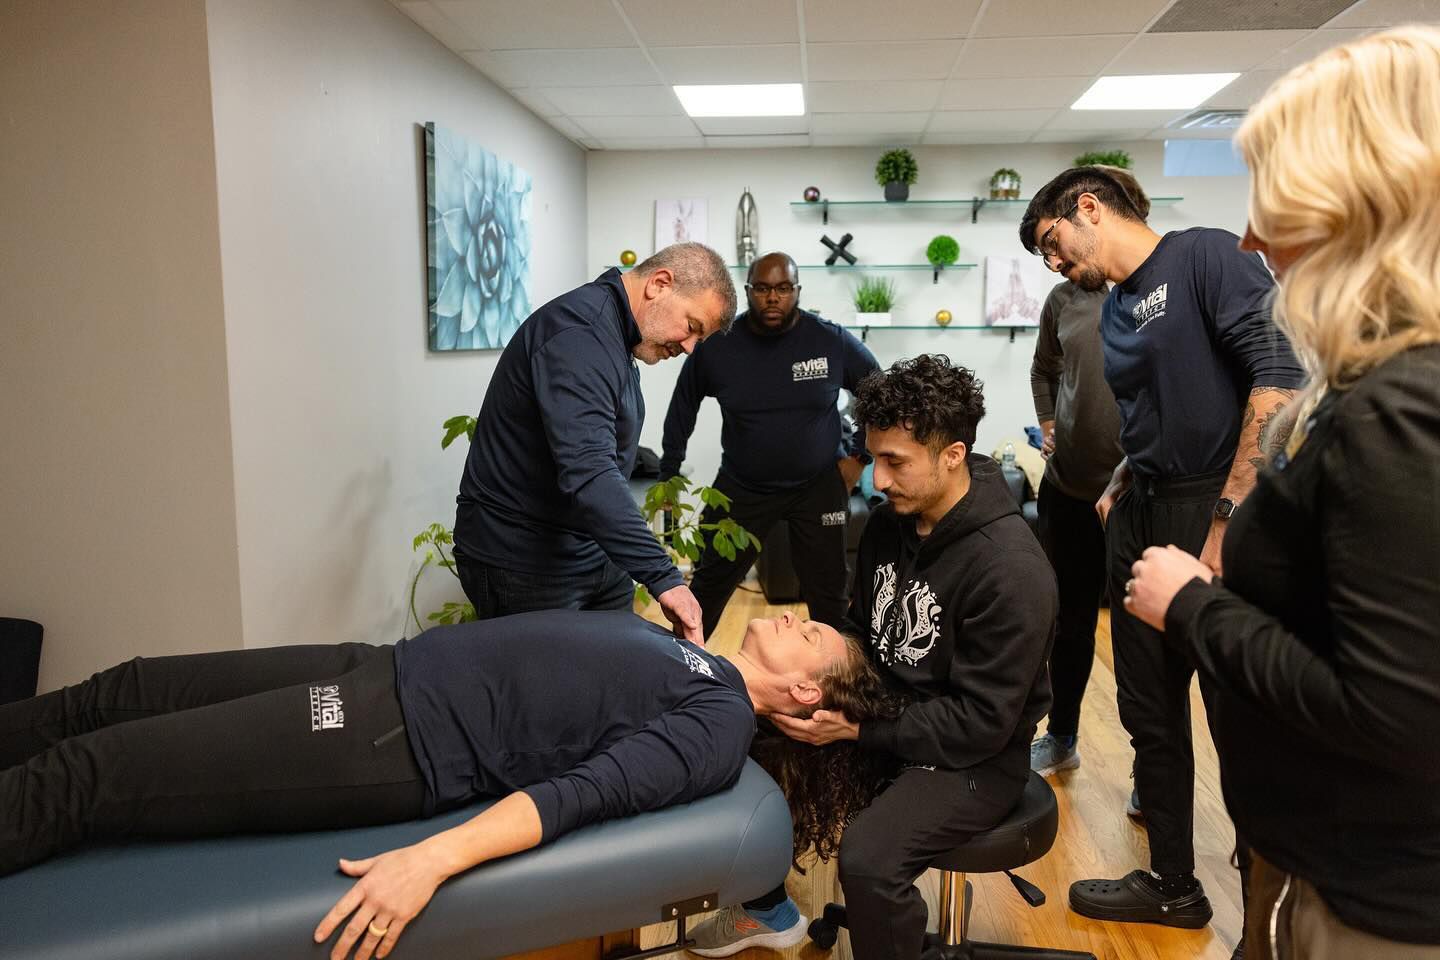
1067,380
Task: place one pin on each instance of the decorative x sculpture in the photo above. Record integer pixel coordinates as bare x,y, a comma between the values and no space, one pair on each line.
838,249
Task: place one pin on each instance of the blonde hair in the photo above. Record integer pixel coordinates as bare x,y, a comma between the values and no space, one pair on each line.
1344,157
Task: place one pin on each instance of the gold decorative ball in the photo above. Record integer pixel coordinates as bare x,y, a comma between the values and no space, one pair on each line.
627,258
942,317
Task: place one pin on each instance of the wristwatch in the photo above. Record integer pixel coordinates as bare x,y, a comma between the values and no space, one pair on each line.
1224,507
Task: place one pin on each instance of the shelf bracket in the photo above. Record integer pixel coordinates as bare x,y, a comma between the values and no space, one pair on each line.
864,333
825,212
1012,334
975,204
938,268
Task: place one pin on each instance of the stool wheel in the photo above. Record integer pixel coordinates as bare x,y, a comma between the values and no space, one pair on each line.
823,933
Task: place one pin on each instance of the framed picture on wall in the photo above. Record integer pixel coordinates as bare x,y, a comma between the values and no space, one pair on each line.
680,221
1015,290
477,233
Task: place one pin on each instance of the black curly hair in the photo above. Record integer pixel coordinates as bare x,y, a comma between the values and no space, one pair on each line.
938,402
827,787
1057,198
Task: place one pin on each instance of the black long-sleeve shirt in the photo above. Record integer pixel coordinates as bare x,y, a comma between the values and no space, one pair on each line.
1323,645
1187,336
777,393
544,488
593,714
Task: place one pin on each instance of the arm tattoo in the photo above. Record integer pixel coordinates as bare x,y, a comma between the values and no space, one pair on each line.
1275,426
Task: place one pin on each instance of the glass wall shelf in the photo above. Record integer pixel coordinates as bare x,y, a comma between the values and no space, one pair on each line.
974,203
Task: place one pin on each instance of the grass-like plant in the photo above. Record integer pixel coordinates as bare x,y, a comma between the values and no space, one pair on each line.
943,251
1107,158
874,295
896,166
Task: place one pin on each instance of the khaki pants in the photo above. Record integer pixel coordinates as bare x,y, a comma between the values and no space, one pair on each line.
1306,929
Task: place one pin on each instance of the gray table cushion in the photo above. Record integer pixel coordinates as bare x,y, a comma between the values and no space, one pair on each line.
262,896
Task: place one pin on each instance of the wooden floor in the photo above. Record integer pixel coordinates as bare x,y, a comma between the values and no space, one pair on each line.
1096,840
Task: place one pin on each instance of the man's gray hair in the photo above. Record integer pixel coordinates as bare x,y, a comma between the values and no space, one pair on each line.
696,268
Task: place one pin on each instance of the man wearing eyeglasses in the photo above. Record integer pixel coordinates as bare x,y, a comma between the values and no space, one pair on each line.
784,457
1198,368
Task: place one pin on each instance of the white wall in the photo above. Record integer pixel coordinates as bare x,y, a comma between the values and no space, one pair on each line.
117,523
623,187
336,403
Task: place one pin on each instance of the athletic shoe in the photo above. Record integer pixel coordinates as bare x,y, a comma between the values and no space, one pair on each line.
1132,806
1048,755
1138,898
732,929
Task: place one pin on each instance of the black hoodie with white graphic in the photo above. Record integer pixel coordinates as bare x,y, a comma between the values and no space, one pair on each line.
963,618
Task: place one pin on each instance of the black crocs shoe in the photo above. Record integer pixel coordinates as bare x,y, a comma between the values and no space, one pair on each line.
1134,898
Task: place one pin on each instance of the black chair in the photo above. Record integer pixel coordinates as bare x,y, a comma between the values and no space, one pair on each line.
19,658
1022,837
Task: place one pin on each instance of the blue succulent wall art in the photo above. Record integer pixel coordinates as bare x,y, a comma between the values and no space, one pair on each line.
477,219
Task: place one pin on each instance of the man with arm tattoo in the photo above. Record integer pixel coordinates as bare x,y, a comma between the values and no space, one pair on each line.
1198,368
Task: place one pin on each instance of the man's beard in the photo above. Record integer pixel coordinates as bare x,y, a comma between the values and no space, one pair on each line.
1090,280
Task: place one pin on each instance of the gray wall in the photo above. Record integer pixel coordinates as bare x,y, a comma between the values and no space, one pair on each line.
336,403
117,510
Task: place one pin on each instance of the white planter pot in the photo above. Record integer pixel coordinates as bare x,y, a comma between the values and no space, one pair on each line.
872,319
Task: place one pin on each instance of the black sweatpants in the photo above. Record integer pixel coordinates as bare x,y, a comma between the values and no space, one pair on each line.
1152,679
1074,540
816,514
269,739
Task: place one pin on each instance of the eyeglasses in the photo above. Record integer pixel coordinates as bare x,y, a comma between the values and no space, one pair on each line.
1049,245
763,290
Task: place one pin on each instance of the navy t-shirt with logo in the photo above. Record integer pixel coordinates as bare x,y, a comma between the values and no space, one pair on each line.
1187,336
777,392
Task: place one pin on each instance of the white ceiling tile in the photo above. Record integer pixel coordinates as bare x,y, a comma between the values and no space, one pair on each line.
498,25
1244,91
1194,133
649,128
569,127
652,143
878,97
1388,13
1310,47
679,23
568,68
859,140
1106,120
771,63
648,100
894,60
438,25
732,126
989,121
981,93
881,123
536,101
1231,51
1085,143
832,20
944,139
1037,18
1045,57
780,140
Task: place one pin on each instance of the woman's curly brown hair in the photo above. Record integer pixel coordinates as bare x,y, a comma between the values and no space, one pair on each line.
828,786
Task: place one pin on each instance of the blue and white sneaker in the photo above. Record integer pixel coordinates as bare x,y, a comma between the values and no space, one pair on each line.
1050,755
733,929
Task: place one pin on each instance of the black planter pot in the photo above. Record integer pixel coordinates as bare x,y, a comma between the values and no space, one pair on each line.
897,190
19,658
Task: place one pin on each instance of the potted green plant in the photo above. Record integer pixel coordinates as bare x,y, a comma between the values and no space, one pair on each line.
895,171
874,298
684,537
942,251
1005,184
1107,158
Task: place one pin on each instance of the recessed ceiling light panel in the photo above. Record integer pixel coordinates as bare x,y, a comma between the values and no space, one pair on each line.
742,99
1166,91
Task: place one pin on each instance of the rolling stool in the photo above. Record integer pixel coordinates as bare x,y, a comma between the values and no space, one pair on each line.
1024,836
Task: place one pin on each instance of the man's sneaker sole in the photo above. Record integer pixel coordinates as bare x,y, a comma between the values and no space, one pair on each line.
778,940
1069,763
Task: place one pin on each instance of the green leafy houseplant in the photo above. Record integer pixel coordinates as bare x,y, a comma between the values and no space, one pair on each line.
684,537
1005,184
874,295
896,166
942,251
1108,158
